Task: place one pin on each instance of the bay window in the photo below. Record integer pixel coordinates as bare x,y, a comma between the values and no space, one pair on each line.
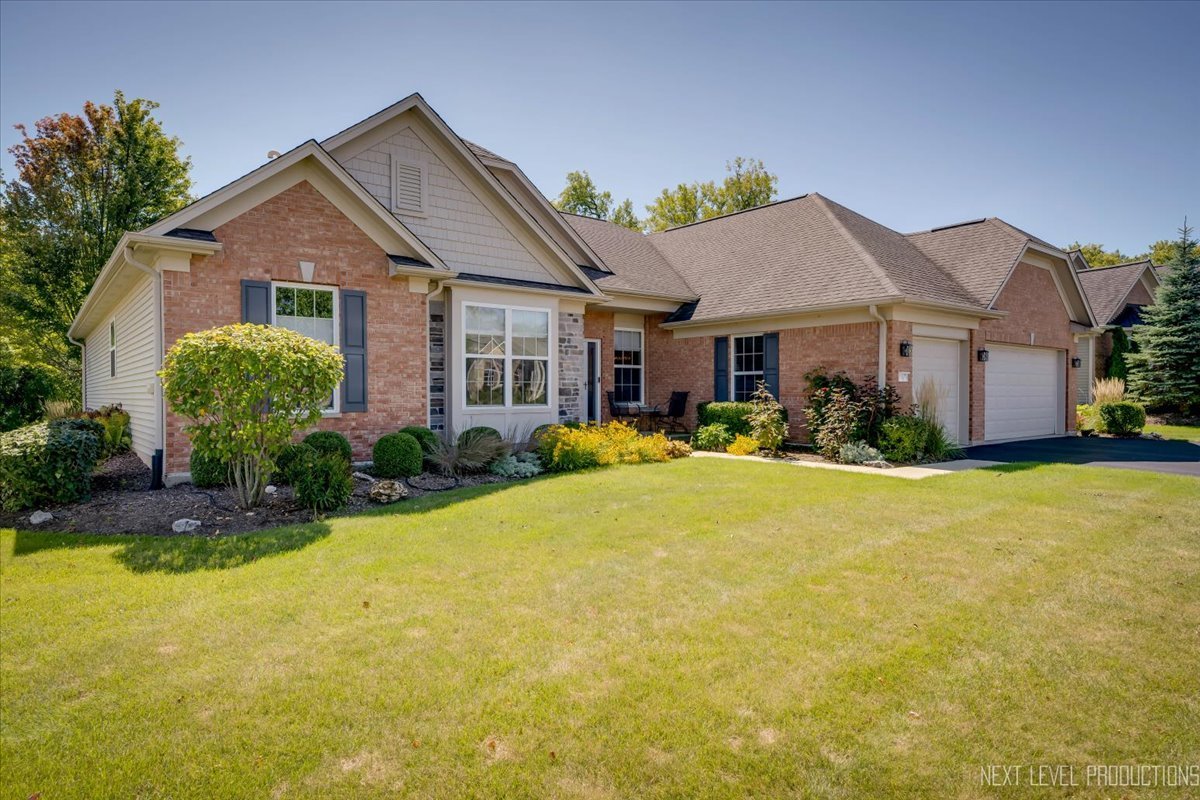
628,380
506,356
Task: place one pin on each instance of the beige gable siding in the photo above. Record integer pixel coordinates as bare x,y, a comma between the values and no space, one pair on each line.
456,225
137,361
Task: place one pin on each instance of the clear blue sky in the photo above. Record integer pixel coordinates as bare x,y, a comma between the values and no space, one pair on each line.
1075,121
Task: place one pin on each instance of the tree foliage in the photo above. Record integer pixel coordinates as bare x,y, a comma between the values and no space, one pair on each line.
581,196
1166,369
245,390
1097,256
82,180
747,184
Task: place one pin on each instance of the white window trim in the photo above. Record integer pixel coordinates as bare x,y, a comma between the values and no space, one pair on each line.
508,358
423,172
641,368
112,348
337,331
733,363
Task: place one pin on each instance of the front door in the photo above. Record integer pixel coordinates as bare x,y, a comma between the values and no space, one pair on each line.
592,394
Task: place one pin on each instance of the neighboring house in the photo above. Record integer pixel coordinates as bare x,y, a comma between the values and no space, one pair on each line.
459,296
1116,295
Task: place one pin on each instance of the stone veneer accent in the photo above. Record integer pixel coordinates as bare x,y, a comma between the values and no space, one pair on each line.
437,365
572,364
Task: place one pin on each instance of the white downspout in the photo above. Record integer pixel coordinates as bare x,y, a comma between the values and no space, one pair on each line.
156,276
881,379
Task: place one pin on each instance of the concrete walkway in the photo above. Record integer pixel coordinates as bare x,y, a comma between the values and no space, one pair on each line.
908,473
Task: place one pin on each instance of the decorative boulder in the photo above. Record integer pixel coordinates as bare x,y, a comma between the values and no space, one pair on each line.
387,492
38,517
185,525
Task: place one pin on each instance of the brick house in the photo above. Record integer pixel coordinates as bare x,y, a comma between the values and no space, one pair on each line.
459,296
1117,295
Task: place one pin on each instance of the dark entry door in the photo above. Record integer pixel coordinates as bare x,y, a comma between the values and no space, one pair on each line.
592,395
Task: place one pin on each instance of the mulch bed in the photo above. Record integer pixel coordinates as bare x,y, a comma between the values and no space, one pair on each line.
123,503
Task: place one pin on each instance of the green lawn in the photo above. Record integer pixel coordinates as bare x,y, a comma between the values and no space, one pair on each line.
1190,433
703,628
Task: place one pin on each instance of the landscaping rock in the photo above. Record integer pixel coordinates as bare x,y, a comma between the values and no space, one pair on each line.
387,492
1153,435
880,464
271,489
362,476
38,517
185,525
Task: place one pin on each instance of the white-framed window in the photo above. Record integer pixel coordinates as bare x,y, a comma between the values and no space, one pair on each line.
629,385
506,356
312,311
748,363
112,348
409,187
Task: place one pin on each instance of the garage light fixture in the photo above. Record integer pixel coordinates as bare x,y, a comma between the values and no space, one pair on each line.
1076,362
982,354
906,348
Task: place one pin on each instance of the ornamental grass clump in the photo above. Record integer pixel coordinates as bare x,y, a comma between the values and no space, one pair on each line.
1108,390
245,390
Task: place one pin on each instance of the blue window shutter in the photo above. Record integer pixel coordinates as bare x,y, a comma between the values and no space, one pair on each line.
721,368
354,350
771,362
256,302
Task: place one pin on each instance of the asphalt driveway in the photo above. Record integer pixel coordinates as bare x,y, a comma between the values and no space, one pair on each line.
1176,457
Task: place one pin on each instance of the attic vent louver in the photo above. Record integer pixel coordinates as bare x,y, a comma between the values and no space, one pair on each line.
408,188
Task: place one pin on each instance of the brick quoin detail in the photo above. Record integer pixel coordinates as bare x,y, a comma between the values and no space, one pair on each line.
267,243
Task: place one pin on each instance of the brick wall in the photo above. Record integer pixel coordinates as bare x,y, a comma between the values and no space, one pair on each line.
266,243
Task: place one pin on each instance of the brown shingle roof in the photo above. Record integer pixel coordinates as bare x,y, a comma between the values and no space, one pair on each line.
978,254
1107,287
639,267
483,152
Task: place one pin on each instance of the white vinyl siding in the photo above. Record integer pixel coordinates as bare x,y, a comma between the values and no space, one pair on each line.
134,385
454,223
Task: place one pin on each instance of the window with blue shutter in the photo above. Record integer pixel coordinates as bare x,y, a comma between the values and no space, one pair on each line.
354,350
721,368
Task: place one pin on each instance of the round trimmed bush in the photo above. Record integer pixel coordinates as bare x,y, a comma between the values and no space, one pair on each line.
323,481
470,434
289,460
1122,419
425,437
208,472
325,442
397,455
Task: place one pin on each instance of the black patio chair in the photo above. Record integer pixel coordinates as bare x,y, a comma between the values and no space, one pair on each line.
676,409
620,411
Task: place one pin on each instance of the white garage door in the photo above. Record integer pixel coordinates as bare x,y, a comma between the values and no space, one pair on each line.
1022,393
938,363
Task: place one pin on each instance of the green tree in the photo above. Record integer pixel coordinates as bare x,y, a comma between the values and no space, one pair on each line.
1118,359
245,390
1097,256
1163,251
581,196
623,215
1166,368
81,182
747,184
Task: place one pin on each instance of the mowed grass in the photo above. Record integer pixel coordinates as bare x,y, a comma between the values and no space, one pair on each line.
1188,433
704,628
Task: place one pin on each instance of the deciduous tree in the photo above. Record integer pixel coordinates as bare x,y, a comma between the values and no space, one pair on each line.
747,184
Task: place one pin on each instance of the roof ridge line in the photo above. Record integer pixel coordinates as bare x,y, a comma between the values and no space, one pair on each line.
1090,268
732,213
872,264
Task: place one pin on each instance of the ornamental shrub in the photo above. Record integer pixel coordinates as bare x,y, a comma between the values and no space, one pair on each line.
521,465
323,481
208,472
859,453
768,420
23,391
246,389
564,448
116,437
329,442
1122,419
1087,419
715,437
425,437
289,461
742,446
47,462
677,448
912,439
479,432
397,455
872,404
734,416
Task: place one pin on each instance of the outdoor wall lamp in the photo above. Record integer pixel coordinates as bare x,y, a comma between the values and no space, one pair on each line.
906,348
1076,362
982,354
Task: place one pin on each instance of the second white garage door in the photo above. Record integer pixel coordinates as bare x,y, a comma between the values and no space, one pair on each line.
1022,394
